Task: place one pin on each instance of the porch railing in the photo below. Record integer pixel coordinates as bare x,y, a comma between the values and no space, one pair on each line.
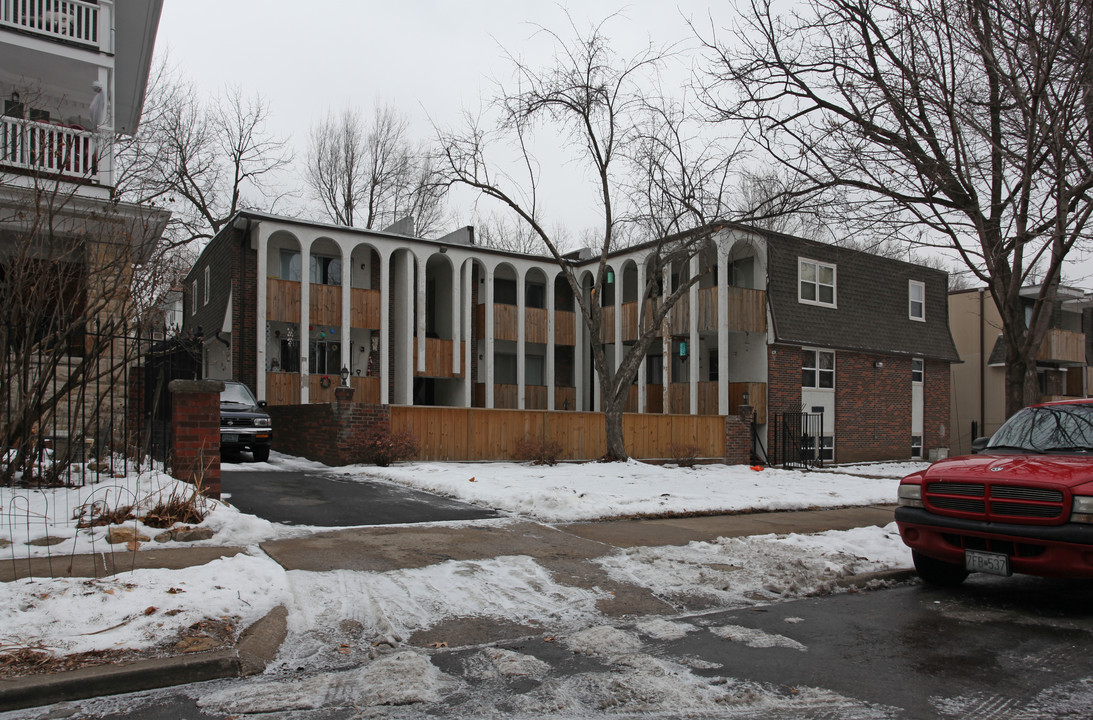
53,149
70,20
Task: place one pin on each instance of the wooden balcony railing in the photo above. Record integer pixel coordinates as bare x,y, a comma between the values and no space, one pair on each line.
325,305
364,309
70,20
1062,346
282,300
438,358
747,313
535,324
284,388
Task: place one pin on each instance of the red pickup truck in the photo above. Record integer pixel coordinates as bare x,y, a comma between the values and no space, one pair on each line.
1022,504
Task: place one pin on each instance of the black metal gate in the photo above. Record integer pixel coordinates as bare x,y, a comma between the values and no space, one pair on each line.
170,359
800,444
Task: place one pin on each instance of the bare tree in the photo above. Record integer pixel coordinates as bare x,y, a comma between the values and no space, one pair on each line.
373,176
505,232
966,124
594,102
204,160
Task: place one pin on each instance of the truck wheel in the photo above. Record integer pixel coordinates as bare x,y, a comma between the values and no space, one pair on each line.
261,454
938,572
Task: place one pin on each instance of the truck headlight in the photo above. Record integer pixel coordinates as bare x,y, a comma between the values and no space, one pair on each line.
911,496
1082,509
261,422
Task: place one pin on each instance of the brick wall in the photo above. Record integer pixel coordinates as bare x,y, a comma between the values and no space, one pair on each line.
330,433
738,438
195,433
872,405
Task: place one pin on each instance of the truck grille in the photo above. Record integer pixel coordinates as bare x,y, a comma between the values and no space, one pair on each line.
995,502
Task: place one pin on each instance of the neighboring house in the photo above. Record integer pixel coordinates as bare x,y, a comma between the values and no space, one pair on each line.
1063,363
800,326
73,73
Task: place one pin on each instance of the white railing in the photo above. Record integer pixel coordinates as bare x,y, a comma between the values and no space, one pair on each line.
64,19
53,150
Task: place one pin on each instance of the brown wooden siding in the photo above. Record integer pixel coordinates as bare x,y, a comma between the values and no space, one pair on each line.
446,434
747,309
535,325
283,300
284,388
364,309
438,358
565,327
1062,346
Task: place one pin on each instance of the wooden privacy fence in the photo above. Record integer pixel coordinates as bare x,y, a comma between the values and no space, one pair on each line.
447,434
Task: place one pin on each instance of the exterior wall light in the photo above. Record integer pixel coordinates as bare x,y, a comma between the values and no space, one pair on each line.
345,376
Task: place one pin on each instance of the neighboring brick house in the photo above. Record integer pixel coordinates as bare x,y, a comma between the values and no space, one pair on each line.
864,338
447,323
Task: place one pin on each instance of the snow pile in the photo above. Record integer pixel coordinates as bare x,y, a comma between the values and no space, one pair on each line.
756,638
590,491
736,572
137,610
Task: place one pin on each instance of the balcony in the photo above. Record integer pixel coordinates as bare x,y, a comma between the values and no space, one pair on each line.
506,397
54,150
679,395
283,388
535,324
1062,346
747,313
283,304
438,358
68,20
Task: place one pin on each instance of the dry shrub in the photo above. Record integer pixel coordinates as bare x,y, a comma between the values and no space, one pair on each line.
685,455
382,447
98,513
188,507
538,452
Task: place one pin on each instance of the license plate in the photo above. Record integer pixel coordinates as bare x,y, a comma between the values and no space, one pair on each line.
987,562
229,438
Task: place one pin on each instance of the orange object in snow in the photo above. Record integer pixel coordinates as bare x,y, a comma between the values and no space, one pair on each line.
756,468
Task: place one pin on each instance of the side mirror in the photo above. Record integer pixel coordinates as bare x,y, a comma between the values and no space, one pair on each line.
261,403
980,444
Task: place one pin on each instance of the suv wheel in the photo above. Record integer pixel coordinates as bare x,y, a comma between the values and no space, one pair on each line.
938,572
261,454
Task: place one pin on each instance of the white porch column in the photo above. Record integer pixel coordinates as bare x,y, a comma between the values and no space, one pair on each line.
617,296
347,306
407,309
261,237
548,361
385,326
468,323
520,344
579,342
641,308
723,283
419,327
305,320
457,291
692,338
489,337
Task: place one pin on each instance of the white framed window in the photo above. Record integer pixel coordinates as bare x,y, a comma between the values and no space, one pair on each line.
916,446
916,300
818,369
208,274
917,370
815,282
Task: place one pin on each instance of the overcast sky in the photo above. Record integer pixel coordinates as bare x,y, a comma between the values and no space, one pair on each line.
431,59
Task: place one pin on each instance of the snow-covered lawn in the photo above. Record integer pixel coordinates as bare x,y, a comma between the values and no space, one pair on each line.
138,609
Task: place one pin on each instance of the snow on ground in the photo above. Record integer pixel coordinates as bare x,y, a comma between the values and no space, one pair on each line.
137,608
591,491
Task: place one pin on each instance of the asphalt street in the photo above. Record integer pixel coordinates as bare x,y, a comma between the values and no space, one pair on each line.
995,648
304,498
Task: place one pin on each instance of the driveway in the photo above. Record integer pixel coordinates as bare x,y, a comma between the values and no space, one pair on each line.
308,498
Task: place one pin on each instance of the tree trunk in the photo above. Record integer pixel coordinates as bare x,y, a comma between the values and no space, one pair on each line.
616,445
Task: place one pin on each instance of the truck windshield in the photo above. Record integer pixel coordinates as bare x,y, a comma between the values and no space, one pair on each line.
1048,428
236,393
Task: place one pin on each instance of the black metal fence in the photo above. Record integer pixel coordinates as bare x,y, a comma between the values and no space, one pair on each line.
797,440
102,397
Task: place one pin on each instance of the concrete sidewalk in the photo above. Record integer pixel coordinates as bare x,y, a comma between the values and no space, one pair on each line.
567,550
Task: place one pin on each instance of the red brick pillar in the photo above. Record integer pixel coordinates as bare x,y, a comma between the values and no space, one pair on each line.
195,433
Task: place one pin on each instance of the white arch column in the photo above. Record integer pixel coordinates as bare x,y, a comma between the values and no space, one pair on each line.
385,326
521,361
723,282
692,337
580,331
548,361
419,321
640,316
305,320
261,234
456,318
467,271
347,306
489,337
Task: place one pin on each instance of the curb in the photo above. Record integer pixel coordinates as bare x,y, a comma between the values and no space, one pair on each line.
256,647
864,579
